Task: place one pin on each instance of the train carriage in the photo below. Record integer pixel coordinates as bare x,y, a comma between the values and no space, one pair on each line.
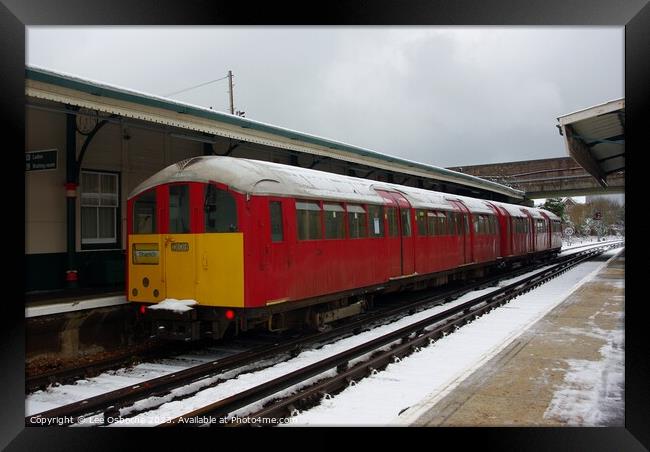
554,227
484,230
254,243
514,227
539,237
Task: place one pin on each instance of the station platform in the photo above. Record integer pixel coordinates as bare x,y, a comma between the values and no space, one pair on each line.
57,302
566,370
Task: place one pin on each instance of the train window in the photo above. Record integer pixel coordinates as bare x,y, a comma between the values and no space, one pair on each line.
308,219
357,221
391,217
437,223
406,222
220,210
451,225
144,213
334,221
277,231
477,224
376,220
421,222
431,222
99,199
442,224
179,209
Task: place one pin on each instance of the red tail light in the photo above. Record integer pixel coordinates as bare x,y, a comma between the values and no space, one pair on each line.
143,309
230,314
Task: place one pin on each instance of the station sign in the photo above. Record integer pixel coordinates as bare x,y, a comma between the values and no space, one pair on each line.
41,160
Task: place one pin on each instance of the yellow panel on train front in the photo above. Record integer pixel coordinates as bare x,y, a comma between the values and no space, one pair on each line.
145,269
208,268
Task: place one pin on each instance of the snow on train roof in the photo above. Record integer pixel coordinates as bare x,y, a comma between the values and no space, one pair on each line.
265,178
513,210
258,177
535,213
550,214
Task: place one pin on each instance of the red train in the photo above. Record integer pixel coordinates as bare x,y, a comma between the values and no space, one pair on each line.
252,243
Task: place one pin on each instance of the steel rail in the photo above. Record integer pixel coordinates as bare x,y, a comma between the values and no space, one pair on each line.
110,402
465,311
311,395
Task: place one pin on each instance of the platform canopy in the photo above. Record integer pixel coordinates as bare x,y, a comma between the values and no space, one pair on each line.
595,138
93,96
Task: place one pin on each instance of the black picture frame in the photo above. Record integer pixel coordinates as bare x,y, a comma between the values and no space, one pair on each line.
16,14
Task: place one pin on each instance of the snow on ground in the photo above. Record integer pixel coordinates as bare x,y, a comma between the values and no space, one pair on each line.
248,380
405,390
592,393
452,357
59,395
583,245
570,242
380,398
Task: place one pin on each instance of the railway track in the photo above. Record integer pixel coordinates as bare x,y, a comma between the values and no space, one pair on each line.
109,404
64,375
400,343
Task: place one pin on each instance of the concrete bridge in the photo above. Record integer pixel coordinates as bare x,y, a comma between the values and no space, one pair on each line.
546,178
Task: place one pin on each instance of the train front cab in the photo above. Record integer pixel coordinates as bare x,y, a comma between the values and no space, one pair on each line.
184,244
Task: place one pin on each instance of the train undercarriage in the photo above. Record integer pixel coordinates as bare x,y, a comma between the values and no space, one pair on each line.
314,313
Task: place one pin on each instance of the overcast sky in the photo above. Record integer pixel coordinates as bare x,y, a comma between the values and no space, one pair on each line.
446,96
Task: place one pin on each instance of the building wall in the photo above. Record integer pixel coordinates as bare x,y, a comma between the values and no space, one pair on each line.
135,153
45,222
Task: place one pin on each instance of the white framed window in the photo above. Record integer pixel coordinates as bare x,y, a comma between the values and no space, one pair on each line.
99,204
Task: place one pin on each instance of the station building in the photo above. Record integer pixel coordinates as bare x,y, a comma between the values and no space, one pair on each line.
88,144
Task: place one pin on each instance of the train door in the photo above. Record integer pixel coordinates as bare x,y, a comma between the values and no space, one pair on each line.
179,245
465,232
406,231
502,230
532,232
407,251
549,231
278,256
